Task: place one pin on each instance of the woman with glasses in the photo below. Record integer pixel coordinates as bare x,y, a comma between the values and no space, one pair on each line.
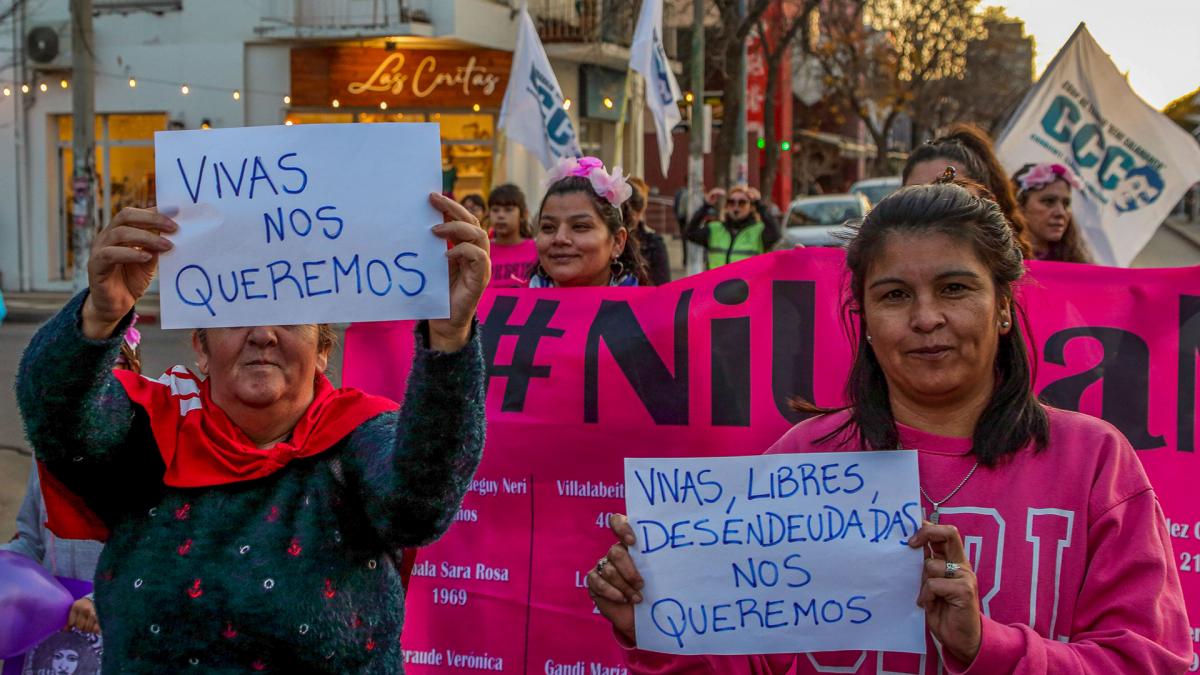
740,233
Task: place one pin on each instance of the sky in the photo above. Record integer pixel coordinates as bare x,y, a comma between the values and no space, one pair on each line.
1156,41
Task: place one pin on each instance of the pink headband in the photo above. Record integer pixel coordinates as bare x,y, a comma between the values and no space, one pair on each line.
1042,175
610,186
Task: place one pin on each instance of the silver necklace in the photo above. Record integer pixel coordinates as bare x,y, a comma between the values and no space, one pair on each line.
933,517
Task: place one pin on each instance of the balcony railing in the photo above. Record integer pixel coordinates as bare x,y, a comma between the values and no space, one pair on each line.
345,14
611,21
558,21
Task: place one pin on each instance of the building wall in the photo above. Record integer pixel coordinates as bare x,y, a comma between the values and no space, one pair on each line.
213,47
202,46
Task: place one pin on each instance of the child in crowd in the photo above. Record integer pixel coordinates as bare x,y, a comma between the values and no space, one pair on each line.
513,250
475,205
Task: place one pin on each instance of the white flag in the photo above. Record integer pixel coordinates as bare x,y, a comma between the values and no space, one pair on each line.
1135,162
648,57
532,113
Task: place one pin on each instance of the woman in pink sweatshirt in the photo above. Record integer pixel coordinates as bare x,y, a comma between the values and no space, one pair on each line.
1069,568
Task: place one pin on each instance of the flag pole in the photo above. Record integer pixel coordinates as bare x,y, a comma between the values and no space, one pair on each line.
619,154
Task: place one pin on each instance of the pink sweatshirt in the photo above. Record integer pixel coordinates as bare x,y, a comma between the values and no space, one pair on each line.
1070,548
511,263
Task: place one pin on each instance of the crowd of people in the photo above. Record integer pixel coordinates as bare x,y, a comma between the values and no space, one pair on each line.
254,480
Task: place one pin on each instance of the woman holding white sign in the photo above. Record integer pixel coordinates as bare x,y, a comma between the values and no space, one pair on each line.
251,516
1071,569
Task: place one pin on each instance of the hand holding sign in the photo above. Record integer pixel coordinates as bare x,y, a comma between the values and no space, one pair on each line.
123,261
470,271
774,553
615,584
949,595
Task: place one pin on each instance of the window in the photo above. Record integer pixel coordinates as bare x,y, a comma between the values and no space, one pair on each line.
467,143
124,173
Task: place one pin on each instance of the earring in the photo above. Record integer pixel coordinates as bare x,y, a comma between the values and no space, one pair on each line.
1004,324
617,267
870,339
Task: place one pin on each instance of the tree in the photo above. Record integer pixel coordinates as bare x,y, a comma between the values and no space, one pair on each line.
881,56
776,40
998,73
728,43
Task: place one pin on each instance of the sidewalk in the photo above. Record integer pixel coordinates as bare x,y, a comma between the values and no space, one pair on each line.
38,306
1189,230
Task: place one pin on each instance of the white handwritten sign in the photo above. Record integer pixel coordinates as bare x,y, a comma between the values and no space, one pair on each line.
302,224
777,553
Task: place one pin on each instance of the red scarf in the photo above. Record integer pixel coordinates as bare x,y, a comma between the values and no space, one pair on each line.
202,447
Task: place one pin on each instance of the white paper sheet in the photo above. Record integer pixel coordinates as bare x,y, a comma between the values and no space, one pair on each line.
302,224
777,553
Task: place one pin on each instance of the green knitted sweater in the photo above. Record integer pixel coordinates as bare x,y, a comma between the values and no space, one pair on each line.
290,573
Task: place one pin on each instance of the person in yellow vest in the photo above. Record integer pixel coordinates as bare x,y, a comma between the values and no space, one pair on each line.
741,232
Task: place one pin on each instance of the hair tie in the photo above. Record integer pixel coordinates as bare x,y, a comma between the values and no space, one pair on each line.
612,187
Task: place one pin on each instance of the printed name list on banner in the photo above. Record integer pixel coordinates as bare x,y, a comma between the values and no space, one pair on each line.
777,553
303,224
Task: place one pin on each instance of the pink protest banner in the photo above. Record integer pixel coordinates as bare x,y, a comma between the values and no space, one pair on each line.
580,379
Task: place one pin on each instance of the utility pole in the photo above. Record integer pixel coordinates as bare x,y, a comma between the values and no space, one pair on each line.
741,165
83,140
694,255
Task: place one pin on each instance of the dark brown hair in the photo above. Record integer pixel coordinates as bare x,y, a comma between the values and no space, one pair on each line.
1071,248
1013,418
970,146
474,199
511,195
611,216
633,206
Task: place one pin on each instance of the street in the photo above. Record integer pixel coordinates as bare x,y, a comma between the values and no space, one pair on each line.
162,349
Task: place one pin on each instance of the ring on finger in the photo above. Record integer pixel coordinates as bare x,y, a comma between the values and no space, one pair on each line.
952,569
601,564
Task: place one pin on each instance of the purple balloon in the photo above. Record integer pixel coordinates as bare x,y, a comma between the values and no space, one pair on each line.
33,604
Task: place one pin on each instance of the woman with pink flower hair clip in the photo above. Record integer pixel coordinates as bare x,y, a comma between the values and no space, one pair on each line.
1044,195
580,231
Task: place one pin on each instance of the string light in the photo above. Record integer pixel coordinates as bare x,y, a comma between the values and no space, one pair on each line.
608,103
383,105
475,107
336,103
184,88
205,125
288,123
566,104
689,97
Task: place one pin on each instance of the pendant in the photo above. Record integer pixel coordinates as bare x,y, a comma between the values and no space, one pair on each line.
933,517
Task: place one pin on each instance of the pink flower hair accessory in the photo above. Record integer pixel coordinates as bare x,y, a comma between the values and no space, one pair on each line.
1042,175
133,336
612,187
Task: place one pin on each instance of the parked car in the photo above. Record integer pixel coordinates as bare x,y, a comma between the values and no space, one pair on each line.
875,189
821,221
